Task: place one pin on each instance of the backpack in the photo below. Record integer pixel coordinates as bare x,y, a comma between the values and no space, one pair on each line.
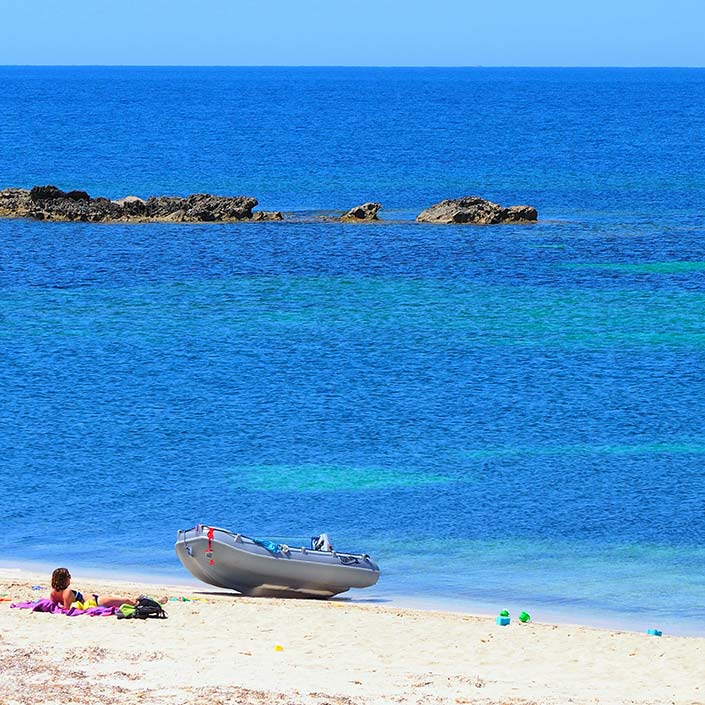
145,608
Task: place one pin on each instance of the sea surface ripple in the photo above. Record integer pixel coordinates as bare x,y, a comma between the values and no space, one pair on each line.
502,416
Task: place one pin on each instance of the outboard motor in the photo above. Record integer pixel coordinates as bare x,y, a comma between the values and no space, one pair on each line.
321,543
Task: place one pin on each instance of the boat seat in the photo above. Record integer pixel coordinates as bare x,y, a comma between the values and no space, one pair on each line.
321,543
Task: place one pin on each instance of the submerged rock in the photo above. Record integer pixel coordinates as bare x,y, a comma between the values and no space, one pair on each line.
476,211
51,203
367,211
267,215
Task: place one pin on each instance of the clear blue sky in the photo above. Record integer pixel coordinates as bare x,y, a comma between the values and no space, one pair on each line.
354,32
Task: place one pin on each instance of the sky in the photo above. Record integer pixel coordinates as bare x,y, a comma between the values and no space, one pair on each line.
353,33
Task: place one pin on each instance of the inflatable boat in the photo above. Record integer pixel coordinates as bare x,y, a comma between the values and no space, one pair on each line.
268,569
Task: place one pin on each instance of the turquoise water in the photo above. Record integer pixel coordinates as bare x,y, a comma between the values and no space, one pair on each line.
504,417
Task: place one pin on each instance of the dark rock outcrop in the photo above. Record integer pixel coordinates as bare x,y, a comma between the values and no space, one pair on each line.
51,203
200,207
46,193
365,212
476,211
519,214
78,196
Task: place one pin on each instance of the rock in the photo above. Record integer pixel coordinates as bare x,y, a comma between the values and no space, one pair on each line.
162,207
133,207
14,203
477,211
51,203
57,205
78,196
367,211
520,214
46,193
200,207
267,215
128,199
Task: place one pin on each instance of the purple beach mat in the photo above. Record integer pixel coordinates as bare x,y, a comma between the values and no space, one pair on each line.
46,605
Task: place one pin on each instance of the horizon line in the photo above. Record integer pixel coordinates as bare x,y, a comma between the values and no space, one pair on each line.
357,66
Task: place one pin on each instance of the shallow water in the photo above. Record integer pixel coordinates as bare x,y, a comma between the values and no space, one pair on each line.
507,416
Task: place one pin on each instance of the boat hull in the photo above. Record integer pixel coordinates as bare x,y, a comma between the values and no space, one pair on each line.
236,562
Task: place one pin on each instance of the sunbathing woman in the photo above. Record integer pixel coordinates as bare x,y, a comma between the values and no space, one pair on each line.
64,595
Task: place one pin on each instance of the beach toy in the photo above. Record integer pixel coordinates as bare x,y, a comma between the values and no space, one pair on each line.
504,613
279,647
37,587
654,632
502,621
524,617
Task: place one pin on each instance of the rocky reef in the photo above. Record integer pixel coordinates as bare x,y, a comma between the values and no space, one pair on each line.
365,212
476,211
51,203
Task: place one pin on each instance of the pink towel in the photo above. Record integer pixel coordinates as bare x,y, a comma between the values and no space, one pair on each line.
46,605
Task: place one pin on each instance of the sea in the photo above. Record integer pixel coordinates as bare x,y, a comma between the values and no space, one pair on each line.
504,417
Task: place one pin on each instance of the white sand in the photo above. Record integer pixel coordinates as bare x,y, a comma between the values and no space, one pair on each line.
222,649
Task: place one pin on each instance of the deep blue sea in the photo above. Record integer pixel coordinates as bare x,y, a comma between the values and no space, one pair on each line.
507,416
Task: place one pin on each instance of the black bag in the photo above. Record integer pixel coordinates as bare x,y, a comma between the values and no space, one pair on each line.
146,608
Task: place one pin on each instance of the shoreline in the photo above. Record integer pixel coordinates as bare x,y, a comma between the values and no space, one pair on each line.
220,647
39,572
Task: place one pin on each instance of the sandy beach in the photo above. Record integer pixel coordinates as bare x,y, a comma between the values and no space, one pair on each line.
221,648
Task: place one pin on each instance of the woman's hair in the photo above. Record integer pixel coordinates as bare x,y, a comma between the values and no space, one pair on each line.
60,579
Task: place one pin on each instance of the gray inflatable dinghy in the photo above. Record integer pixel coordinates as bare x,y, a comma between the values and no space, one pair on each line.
264,568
